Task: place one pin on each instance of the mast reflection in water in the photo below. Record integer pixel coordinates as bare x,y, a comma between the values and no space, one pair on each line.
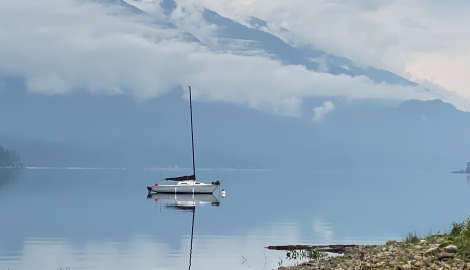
185,202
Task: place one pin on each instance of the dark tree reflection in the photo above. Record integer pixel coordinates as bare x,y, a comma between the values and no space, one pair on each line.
8,177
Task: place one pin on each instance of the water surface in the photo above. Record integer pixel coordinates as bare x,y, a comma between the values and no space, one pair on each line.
102,219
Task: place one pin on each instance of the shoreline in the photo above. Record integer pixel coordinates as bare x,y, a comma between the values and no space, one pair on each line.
437,252
434,251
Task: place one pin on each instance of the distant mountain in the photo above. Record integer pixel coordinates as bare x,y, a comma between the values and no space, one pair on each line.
81,129
42,153
93,131
278,49
87,130
229,32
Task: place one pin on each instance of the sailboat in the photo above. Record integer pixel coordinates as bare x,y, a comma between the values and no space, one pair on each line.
186,184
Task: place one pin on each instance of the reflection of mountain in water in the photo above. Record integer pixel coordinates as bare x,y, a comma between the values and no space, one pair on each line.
8,176
186,202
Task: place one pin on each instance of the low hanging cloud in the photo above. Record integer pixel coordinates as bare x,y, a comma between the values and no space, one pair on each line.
417,39
71,45
321,111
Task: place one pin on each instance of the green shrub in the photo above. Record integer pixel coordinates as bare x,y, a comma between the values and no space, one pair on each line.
411,238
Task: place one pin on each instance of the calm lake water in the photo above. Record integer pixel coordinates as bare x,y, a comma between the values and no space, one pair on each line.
102,219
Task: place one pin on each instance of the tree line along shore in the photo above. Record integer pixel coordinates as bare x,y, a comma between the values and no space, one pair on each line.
10,159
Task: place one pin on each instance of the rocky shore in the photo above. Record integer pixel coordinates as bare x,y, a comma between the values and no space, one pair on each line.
431,252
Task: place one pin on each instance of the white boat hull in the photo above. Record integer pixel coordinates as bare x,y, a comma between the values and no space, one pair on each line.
184,189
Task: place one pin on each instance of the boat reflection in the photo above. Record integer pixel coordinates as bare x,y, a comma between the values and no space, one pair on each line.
185,202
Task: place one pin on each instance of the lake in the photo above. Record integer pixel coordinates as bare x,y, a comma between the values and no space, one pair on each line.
102,218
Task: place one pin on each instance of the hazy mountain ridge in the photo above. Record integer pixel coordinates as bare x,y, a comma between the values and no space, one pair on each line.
261,40
115,131
82,129
286,53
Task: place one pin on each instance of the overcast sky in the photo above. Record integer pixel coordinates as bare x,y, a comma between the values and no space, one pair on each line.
59,46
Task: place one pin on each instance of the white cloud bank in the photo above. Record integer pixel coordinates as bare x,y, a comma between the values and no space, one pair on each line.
419,39
62,46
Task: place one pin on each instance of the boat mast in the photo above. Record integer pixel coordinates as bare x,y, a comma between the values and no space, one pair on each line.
192,135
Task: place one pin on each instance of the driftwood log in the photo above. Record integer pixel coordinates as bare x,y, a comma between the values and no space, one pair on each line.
339,249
